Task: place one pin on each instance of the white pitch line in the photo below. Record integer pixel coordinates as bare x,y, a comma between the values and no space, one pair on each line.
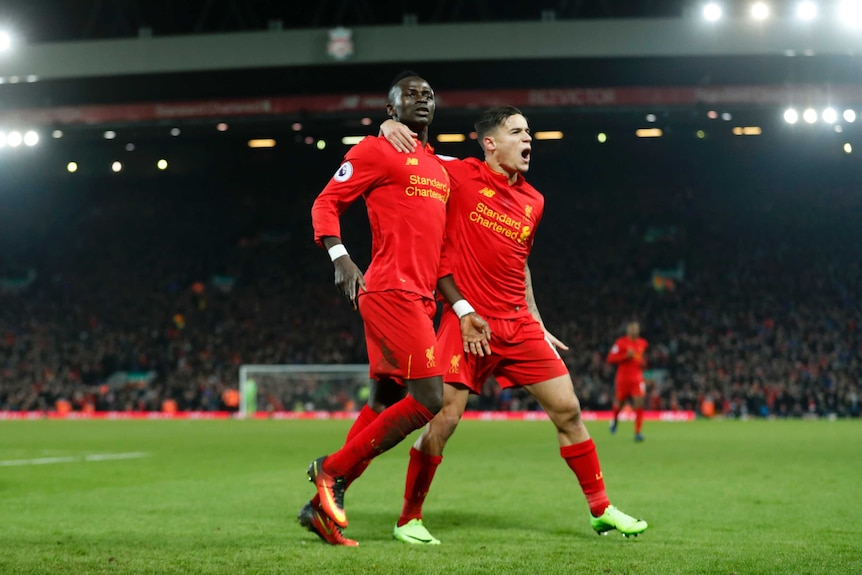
110,456
72,459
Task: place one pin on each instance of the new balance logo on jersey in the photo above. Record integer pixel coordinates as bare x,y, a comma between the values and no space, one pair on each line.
412,162
487,192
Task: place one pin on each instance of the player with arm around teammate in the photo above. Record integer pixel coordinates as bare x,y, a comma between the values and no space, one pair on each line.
406,200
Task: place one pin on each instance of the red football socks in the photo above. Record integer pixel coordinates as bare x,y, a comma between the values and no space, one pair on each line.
365,417
639,419
420,473
583,460
387,430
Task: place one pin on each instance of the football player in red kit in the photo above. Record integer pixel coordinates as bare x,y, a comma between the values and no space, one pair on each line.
628,355
491,222
406,202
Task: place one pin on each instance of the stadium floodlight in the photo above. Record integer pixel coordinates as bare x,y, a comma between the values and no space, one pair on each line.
221,127
262,143
351,140
57,134
747,131
648,133
72,167
162,164
650,118
14,139
712,11
602,137
809,115
849,116
5,41
848,149
548,135
451,138
31,138
850,12
829,115
760,11
116,167
175,132
791,116
806,10
110,135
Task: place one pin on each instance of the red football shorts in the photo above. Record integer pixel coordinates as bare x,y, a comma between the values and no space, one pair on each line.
520,354
399,335
627,389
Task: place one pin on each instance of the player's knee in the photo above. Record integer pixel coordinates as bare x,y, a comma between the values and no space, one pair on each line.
433,403
571,412
431,399
445,423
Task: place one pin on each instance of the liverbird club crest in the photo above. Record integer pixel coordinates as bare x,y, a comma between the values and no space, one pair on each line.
340,45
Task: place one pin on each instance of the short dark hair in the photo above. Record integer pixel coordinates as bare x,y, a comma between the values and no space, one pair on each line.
397,80
493,118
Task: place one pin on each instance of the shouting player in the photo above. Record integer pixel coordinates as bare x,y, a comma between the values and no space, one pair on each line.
491,223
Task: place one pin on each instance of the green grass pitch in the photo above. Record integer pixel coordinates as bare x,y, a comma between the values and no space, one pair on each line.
215,497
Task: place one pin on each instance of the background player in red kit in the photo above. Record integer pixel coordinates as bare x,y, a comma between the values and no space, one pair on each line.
628,355
492,217
406,201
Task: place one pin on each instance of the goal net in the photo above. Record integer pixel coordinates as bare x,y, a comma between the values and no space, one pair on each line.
302,388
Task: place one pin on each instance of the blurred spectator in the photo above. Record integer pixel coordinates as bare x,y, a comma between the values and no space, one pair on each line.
763,319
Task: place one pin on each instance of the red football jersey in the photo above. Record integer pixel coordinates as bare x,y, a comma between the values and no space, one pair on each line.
629,369
405,196
489,234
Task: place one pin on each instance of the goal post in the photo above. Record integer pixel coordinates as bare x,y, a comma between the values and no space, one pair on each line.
300,387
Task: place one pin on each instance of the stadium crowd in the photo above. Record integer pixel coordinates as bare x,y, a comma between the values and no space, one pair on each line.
176,287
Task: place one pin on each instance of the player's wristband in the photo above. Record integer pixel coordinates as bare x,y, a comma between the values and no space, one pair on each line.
462,308
337,251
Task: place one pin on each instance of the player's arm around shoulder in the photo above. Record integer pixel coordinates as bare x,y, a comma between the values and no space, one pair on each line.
402,138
